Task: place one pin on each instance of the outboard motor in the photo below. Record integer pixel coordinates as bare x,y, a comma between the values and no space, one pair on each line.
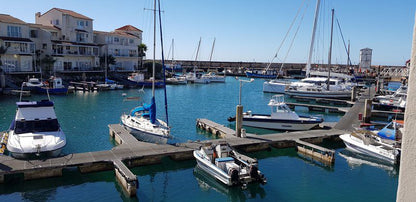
234,175
254,172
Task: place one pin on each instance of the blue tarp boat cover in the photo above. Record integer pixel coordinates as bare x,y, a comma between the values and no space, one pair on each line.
109,81
151,109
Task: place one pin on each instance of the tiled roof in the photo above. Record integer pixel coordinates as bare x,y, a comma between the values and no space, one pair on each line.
129,28
115,33
43,26
71,13
4,38
10,19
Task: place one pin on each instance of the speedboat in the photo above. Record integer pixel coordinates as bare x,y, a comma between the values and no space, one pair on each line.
138,122
212,77
281,118
35,130
371,144
275,86
34,82
228,166
383,144
177,80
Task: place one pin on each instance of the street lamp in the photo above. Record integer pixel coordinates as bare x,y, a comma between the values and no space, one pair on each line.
241,85
239,109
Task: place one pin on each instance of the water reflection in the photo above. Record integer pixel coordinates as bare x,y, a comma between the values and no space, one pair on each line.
235,193
356,160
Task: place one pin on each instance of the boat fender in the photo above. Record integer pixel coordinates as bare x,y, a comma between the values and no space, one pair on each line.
214,154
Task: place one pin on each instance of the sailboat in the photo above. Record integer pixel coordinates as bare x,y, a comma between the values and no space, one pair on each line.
175,79
325,90
141,121
211,76
196,75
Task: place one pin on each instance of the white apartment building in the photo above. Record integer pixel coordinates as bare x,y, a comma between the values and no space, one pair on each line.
69,38
122,44
15,35
72,46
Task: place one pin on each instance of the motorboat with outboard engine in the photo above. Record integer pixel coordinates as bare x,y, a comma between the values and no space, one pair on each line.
228,166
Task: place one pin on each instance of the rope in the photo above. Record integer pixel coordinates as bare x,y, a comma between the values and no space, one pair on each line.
284,38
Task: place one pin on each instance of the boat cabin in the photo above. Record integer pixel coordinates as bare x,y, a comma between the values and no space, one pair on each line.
280,110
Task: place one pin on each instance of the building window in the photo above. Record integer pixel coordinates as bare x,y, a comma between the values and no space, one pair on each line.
86,23
44,46
7,44
14,31
54,34
33,33
80,23
131,41
56,22
67,65
116,39
80,37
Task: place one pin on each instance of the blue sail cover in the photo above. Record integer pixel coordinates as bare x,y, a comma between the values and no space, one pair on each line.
109,81
152,111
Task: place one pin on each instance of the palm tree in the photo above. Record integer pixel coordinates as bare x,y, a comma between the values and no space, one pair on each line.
48,62
3,50
141,49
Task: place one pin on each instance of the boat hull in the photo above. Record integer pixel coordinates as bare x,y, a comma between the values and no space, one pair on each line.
264,76
147,137
342,94
280,124
51,90
269,87
212,170
360,147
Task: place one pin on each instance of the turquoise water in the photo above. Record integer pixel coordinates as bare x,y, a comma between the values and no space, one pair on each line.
84,118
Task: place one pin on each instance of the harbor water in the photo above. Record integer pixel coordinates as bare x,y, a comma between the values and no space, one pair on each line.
291,177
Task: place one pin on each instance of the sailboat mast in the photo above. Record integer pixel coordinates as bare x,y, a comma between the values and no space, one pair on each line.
106,65
197,52
330,50
308,65
154,49
212,51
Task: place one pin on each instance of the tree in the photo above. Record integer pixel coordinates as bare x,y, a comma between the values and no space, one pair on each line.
141,49
3,50
111,60
47,62
158,68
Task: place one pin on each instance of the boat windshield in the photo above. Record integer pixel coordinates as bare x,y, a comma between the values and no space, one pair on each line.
49,125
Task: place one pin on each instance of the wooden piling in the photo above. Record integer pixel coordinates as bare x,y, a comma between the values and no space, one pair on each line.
367,110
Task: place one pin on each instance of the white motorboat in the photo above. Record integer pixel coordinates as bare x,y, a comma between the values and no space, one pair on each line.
212,77
281,118
177,80
366,142
34,82
227,165
35,130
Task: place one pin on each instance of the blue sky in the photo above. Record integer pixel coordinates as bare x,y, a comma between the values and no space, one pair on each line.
251,30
